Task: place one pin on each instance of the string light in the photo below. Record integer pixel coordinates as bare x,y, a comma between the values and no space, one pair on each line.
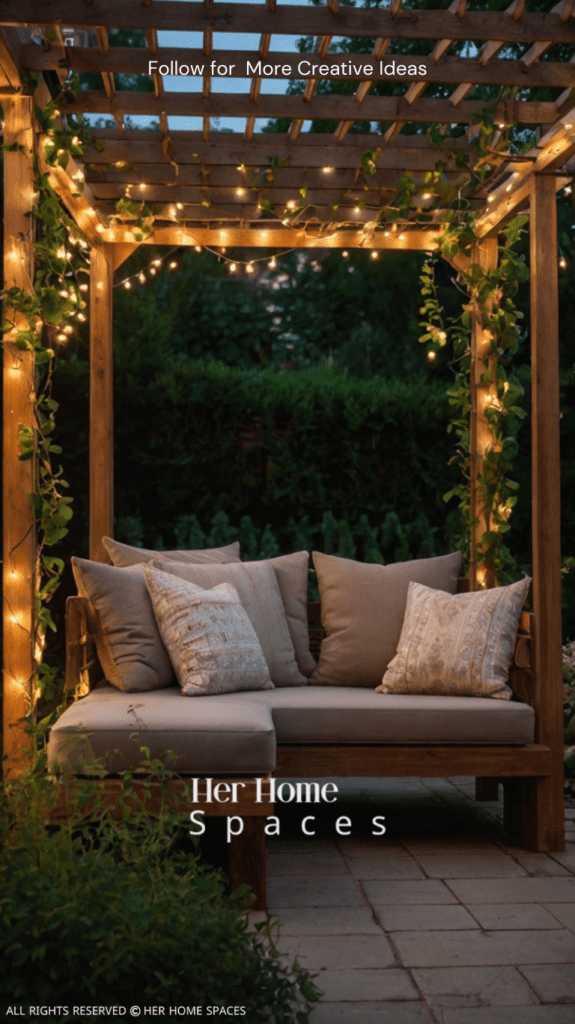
563,263
374,255
233,268
567,190
83,287
431,355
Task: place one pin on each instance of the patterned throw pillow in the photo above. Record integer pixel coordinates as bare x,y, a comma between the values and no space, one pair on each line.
211,642
461,645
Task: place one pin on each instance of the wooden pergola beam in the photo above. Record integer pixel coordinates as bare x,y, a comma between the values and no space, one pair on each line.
19,477
297,20
101,400
326,108
283,238
451,70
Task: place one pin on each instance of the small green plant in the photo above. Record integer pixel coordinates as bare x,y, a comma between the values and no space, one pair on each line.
116,911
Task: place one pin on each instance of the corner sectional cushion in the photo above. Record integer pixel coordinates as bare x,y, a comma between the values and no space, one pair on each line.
362,609
205,736
460,645
129,645
258,589
210,639
124,554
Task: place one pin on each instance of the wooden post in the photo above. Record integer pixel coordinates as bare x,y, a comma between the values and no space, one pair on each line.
101,401
480,575
19,565
542,811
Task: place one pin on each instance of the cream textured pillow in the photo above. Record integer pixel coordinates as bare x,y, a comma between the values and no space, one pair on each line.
258,590
362,609
125,554
210,640
128,642
458,645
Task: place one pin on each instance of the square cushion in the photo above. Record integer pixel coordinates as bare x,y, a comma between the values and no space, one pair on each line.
211,642
458,645
362,607
129,645
259,592
125,554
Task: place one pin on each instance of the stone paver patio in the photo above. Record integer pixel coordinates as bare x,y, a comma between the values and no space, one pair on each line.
439,920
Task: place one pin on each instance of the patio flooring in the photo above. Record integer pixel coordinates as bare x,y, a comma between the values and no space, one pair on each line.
439,920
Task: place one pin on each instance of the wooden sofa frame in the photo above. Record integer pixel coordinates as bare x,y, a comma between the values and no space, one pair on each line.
523,769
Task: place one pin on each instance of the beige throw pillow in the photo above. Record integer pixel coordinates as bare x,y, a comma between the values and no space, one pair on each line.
129,645
259,593
362,609
125,554
458,645
212,644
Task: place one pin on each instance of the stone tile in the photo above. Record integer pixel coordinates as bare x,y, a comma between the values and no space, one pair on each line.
351,985
473,948
372,848
542,865
553,984
564,912
566,859
520,916
336,952
370,1013
456,845
418,892
471,866
292,846
501,1015
306,864
326,921
427,918
473,986
514,890
385,868
321,891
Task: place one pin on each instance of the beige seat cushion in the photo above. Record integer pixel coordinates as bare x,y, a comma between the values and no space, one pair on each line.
125,554
457,643
355,715
207,736
258,589
129,645
363,606
208,635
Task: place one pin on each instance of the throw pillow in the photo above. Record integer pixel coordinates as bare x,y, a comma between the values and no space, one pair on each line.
128,642
259,593
458,645
125,554
362,609
210,640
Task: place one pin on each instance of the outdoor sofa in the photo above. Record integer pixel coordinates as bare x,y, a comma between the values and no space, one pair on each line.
321,719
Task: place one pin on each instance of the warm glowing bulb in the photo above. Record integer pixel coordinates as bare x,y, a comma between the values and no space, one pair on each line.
61,336
142,278
61,253
490,199
67,329
386,234
156,263
179,206
374,255
250,268
100,229
142,185
233,267
80,316
431,355
240,191
197,248
327,170
345,254
290,204
83,287
152,271
127,285
75,141
272,263
63,295
567,190
563,263
401,237
172,265
426,195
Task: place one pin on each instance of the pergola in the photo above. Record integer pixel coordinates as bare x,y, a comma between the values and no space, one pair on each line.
205,187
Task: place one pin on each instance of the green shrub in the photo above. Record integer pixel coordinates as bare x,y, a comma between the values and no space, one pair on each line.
114,914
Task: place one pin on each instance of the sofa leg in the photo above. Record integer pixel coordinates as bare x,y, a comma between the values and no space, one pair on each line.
487,789
534,813
248,864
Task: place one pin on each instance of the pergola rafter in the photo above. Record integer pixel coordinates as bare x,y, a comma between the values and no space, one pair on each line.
205,187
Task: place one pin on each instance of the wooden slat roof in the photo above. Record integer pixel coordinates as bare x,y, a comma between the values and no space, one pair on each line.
207,180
